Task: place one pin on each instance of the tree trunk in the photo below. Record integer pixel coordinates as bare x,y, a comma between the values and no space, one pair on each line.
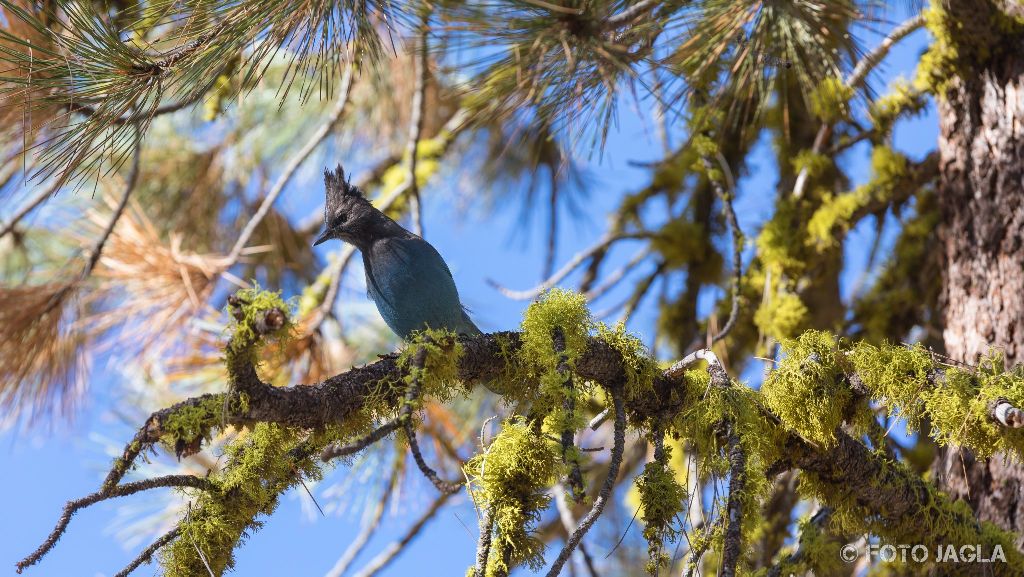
981,196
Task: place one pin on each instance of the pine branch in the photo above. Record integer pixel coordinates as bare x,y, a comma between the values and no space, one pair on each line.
147,554
31,205
381,561
364,536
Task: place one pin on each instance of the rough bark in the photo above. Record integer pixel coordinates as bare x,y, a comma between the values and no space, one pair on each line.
981,196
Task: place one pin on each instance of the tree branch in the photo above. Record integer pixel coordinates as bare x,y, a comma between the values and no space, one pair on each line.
293,165
859,74
413,395
73,507
31,205
147,553
606,489
388,555
416,121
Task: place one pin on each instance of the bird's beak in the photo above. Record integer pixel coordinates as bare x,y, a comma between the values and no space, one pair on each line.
324,236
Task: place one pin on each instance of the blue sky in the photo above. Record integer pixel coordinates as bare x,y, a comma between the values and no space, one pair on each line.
43,468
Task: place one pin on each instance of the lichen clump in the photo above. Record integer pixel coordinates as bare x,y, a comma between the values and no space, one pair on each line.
806,390
662,497
511,479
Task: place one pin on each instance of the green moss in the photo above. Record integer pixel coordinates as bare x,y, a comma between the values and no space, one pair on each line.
511,479
779,243
806,390
830,100
190,424
782,317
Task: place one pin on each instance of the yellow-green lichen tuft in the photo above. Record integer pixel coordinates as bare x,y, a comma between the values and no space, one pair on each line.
439,377
783,317
260,466
960,408
249,328
511,479
806,390
896,376
830,100
814,163
662,497
640,367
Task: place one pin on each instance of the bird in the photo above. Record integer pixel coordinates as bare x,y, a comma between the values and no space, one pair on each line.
406,277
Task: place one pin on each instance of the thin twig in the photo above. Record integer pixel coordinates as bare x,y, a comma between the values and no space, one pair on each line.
388,555
147,553
726,197
612,280
676,370
412,395
31,205
359,543
606,489
574,263
335,451
133,178
569,523
416,122
629,14
293,165
858,76
72,507
483,543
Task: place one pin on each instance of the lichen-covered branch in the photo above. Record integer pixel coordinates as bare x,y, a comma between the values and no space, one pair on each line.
606,489
731,549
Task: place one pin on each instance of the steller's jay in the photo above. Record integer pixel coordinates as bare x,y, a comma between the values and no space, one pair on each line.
405,276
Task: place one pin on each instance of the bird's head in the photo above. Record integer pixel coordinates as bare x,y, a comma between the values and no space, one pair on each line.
348,216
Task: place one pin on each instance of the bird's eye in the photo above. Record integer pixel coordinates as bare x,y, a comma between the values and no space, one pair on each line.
340,219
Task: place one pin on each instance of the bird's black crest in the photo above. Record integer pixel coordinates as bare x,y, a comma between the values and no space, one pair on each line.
337,185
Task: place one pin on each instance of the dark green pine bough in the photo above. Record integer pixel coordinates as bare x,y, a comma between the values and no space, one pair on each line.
813,413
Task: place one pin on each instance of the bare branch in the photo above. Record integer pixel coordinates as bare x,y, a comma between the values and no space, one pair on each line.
31,205
726,197
73,507
335,451
606,241
1008,415
416,121
627,15
483,543
606,489
133,178
359,543
147,553
411,396
568,521
385,558
731,549
293,165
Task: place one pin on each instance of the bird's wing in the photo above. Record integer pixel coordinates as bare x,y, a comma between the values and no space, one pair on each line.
412,286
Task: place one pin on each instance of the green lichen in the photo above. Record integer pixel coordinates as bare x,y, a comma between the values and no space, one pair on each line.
678,241
903,98
260,466
806,390
248,335
662,497
960,408
896,376
940,520
511,479
830,100
815,164
439,377
782,317
566,312
641,368
837,213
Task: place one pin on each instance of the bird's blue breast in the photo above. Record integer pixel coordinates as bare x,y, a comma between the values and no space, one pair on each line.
412,287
